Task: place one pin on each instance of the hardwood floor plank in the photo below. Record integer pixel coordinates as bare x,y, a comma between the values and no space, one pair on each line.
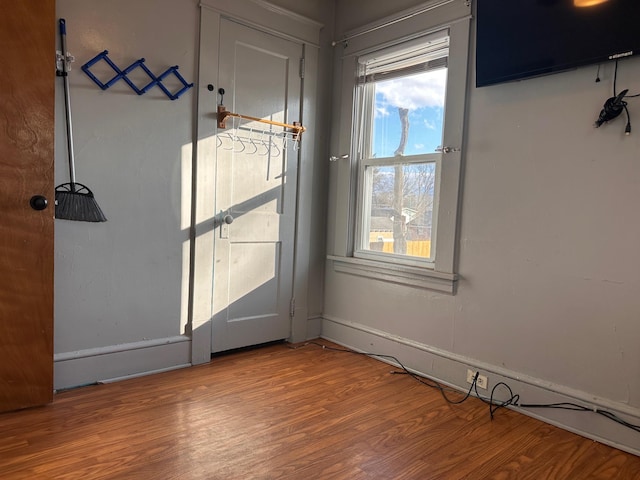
283,413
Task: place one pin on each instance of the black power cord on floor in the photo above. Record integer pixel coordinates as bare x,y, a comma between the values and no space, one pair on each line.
579,408
494,405
423,380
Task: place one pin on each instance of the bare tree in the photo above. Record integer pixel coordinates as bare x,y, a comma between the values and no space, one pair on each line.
399,221
419,189
406,193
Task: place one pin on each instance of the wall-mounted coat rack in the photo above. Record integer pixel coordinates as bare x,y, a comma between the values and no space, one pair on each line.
252,142
122,74
295,129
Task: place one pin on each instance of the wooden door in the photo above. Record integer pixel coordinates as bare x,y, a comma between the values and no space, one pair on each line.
27,82
256,181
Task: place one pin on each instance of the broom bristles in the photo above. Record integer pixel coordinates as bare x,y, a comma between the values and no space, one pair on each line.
76,202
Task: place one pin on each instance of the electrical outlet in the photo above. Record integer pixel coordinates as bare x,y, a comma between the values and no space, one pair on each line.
481,382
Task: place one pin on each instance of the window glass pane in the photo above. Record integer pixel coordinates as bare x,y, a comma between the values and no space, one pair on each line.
401,200
408,114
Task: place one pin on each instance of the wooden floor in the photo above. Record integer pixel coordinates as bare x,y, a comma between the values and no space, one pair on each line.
280,413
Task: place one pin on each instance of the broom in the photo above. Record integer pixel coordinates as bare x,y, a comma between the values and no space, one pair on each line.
74,201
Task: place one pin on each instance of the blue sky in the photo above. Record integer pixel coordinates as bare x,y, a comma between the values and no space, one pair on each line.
423,94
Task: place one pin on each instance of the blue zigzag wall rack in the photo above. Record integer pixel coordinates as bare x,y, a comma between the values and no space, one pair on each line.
122,75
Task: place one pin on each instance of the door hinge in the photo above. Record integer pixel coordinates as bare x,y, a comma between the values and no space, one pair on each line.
292,307
302,67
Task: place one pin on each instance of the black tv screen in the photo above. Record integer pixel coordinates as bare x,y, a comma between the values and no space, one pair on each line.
517,39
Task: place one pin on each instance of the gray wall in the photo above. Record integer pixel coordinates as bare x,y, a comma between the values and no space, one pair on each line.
353,14
548,237
122,281
322,11
548,250
121,287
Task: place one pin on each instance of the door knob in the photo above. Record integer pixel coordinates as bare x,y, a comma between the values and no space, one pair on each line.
221,220
38,202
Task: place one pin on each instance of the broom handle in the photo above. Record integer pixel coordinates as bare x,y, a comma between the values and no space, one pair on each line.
67,104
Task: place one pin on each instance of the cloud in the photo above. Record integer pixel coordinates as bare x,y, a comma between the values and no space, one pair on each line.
428,124
381,112
417,91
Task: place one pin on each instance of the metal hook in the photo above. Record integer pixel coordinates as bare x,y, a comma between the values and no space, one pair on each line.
231,140
276,147
266,147
285,140
255,147
239,139
294,138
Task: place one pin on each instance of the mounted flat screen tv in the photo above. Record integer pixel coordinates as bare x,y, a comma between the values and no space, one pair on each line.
518,39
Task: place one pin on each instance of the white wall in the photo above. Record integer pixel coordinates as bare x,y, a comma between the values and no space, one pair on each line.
121,287
548,253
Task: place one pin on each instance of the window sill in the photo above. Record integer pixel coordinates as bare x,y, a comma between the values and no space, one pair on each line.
415,277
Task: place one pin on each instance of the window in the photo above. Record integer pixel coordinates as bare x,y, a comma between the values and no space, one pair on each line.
396,200
401,100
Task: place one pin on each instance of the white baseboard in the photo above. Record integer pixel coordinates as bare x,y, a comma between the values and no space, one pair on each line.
82,367
450,369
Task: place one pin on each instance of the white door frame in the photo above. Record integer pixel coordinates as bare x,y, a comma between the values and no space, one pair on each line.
274,20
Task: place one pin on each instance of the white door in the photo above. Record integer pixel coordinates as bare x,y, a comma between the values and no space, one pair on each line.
256,173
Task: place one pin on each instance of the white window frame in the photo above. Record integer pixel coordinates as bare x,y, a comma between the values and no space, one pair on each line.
422,49
440,275
364,194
